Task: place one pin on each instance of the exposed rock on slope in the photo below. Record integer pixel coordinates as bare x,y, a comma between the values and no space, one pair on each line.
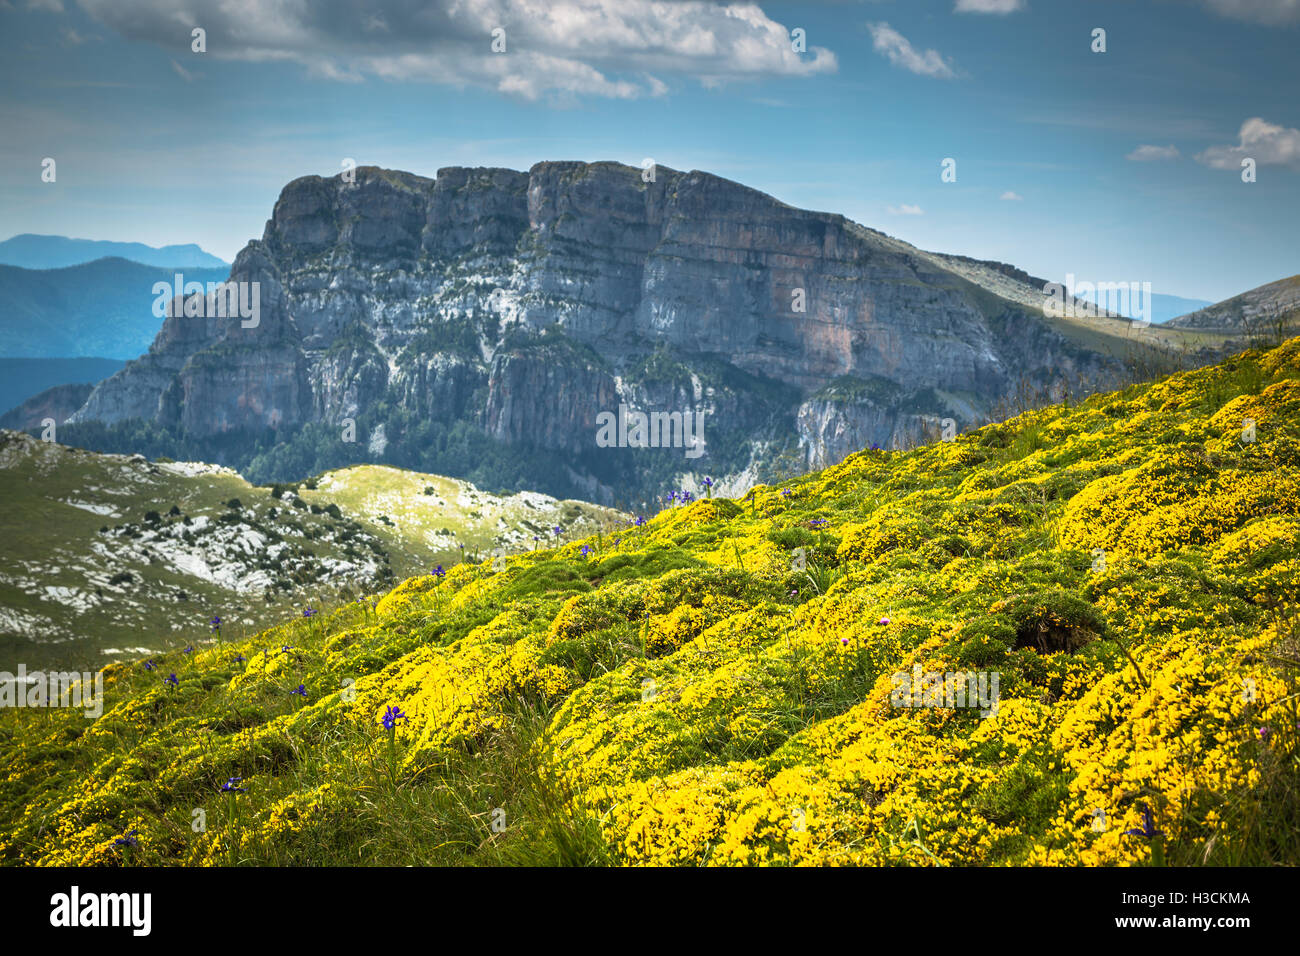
1267,311
106,554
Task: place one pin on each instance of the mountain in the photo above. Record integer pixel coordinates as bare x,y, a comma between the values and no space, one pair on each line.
23,378
1166,307
1068,639
530,308
1163,307
1266,313
53,405
107,555
56,252
105,307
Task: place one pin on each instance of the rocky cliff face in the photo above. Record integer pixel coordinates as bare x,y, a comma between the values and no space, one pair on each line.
526,304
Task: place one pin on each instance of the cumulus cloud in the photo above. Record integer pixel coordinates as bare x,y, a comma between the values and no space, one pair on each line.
989,6
1271,12
621,49
906,209
900,52
1266,143
1147,154
1010,196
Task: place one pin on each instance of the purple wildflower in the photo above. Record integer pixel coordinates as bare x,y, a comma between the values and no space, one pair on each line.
391,716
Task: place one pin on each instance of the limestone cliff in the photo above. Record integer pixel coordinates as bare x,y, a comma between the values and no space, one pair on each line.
528,303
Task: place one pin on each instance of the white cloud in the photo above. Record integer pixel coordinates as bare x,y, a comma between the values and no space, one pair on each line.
1009,196
1270,12
989,6
620,49
900,52
183,73
1146,154
1266,143
906,209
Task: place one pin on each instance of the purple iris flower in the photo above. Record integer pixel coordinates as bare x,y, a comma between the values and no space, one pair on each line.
391,716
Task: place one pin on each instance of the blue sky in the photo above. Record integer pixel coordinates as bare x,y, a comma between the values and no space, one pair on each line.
157,143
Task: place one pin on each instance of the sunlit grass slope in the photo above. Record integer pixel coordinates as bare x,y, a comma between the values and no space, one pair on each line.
677,693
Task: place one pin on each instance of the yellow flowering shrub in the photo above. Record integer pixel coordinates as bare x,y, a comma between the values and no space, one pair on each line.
1069,638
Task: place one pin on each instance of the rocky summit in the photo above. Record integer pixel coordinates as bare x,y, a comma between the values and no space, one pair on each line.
394,311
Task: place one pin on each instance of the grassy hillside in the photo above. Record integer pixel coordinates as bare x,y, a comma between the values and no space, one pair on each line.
110,556
696,690
427,517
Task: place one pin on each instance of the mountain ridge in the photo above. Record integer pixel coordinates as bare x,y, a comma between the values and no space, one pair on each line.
104,308
36,251
524,304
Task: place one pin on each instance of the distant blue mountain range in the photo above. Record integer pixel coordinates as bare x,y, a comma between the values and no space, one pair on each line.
30,251
1164,307
23,378
102,308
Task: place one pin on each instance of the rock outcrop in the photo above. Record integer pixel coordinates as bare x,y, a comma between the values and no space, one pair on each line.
529,303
